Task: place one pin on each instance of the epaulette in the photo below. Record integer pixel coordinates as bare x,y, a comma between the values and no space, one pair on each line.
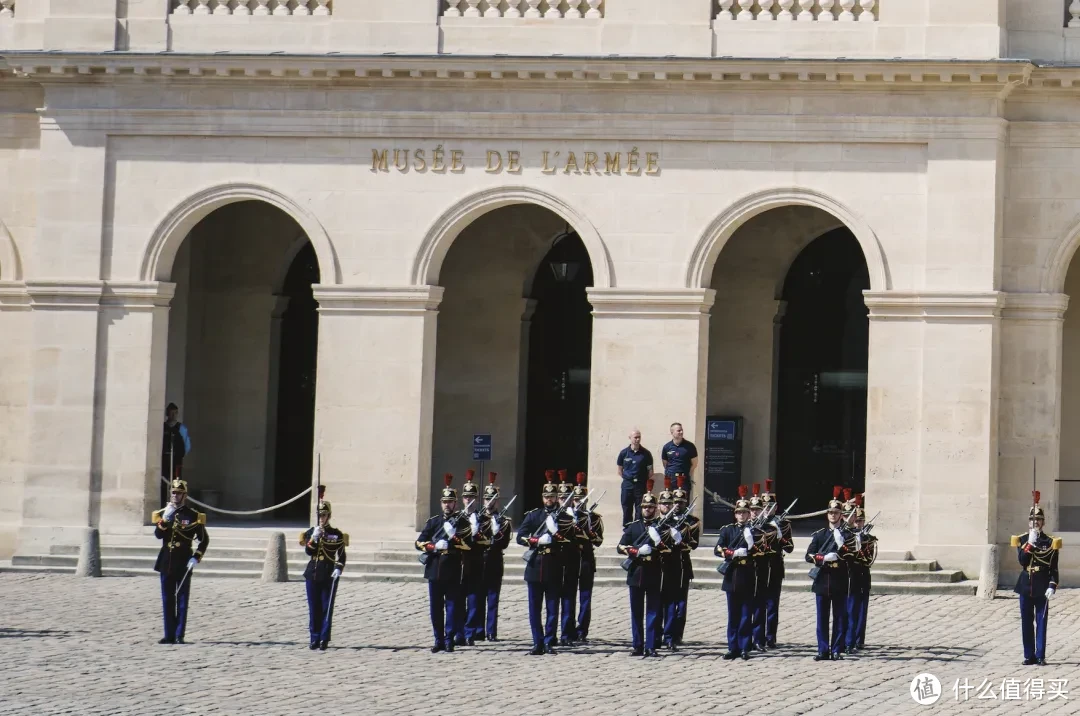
303,538
1056,543
155,516
202,518
344,539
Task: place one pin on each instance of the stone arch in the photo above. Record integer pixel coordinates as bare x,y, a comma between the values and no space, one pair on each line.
441,235
1060,259
10,263
170,233
722,228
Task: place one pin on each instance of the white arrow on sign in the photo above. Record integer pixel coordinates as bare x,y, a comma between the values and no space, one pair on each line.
478,440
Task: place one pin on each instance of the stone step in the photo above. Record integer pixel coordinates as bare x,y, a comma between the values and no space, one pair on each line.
151,552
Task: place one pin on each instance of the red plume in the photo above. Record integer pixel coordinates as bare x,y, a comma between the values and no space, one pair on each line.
847,494
757,489
491,478
549,475
469,474
742,490
448,479
836,492
667,483
562,475
322,491
649,485
681,480
1036,494
768,484
581,478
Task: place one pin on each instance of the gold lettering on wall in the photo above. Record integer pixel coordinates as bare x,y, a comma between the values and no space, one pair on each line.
510,161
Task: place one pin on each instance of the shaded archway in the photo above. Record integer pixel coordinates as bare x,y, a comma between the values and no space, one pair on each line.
501,361
241,354
1067,487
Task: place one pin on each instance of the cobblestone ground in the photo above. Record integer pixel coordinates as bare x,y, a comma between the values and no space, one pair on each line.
88,646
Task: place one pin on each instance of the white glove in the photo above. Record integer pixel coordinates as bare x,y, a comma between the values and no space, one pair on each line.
1032,536
474,523
550,524
495,526
336,573
748,535
830,557
838,538
544,539
572,512
1050,592
645,549
170,510
316,533
653,535
442,544
775,523
740,552
191,563
858,543
449,529
676,535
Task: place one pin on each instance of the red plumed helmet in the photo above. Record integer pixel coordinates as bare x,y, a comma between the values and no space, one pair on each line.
562,475
1035,494
448,478
322,491
742,490
859,499
491,477
847,494
836,492
549,475
768,484
680,480
581,478
470,474
649,485
757,489
667,483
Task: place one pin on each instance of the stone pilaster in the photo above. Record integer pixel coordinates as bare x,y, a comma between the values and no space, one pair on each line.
374,401
649,369
15,382
932,422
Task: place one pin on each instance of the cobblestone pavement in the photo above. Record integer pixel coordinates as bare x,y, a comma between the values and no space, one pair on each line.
88,646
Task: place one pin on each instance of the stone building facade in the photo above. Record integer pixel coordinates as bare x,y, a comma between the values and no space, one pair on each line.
186,180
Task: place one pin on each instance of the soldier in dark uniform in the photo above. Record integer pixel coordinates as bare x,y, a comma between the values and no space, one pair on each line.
1038,554
783,544
571,565
737,546
177,525
639,542
858,599
830,554
763,559
443,540
471,619
325,545
497,532
590,535
678,569
540,533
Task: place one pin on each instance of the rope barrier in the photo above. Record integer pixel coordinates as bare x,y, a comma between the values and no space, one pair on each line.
243,512
722,501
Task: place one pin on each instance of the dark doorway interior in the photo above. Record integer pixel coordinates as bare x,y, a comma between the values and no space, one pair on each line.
821,420
296,386
560,355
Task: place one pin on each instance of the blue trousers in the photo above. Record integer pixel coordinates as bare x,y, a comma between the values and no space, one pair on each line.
585,590
444,596
757,632
492,616
675,614
772,614
644,611
318,602
1034,613
740,617
173,606
856,626
839,622
475,598
543,596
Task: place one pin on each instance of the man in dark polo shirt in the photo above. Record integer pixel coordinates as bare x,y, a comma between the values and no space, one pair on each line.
635,467
679,456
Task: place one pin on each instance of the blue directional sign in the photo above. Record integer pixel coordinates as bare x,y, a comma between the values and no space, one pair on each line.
481,447
720,430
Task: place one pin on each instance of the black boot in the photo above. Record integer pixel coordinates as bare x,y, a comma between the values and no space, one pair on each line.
322,645
837,656
550,649
637,652
315,645
450,645
821,657
1029,662
746,656
471,641
179,640
1041,662
731,655
537,650
565,641
434,650
166,640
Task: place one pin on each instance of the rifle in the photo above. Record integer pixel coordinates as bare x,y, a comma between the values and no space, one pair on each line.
529,553
593,507
680,519
783,515
754,523
502,512
456,519
864,531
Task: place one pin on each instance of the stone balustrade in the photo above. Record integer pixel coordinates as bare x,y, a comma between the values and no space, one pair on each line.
7,10
275,8
547,9
1074,13
797,10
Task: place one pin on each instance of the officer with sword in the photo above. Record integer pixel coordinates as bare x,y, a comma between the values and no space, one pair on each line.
177,525
326,547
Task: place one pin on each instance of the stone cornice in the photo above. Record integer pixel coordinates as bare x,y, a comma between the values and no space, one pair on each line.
377,300
958,306
13,296
974,75
65,294
650,302
1035,306
137,295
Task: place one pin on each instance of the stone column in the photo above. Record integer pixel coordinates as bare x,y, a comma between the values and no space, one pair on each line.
932,432
16,371
273,389
518,486
649,369
374,402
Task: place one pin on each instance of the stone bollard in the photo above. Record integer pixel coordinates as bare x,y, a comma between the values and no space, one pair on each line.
988,573
89,554
276,566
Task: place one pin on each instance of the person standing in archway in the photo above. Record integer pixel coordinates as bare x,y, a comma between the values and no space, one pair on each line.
635,466
680,457
175,444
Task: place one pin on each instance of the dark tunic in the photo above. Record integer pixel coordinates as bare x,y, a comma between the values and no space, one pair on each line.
1040,564
444,565
832,579
546,565
741,575
326,554
176,537
493,555
675,562
645,569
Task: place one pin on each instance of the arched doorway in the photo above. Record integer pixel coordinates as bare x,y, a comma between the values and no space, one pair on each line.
788,326
242,341
512,350
1068,486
